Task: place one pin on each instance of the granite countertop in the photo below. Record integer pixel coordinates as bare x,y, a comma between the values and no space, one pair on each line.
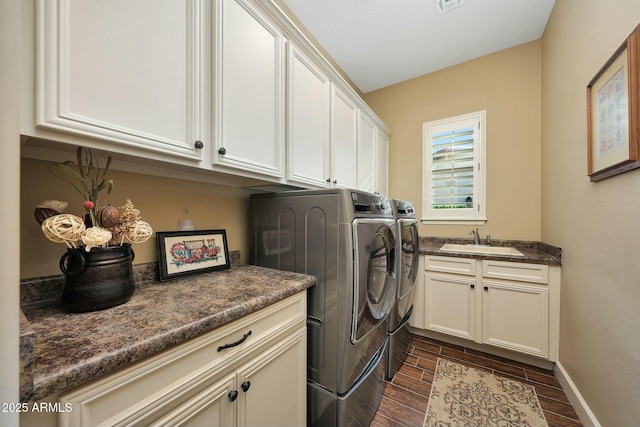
534,252
61,350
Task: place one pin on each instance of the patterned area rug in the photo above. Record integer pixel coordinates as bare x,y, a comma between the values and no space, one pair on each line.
463,396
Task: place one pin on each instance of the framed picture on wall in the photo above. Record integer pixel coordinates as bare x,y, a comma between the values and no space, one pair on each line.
182,253
613,113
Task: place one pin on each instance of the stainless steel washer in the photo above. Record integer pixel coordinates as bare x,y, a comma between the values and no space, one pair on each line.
407,253
347,240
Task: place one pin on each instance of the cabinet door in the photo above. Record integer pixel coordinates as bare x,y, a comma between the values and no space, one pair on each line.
249,90
515,317
126,72
344,129
273,386
210,407
419,298
450,305
366,153
309,121
382,163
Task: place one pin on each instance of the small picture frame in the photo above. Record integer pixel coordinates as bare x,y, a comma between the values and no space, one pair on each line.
182,253
613,113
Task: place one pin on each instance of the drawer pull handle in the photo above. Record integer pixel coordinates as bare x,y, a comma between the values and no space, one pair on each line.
233,395
245,386
233,344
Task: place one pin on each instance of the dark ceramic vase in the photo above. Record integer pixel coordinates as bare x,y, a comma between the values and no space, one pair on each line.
98,279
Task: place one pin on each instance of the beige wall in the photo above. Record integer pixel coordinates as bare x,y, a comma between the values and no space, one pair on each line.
597,224
505,84
160,201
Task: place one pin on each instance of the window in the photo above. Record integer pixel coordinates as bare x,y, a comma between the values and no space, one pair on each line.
453,171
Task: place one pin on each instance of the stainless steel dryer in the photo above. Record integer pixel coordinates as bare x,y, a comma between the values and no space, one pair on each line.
347,240
407,253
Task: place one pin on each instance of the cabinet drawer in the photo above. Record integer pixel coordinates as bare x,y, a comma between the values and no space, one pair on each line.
523,272
450,264
119,397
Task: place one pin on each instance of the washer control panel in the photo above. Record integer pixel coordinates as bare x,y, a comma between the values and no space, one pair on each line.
374,204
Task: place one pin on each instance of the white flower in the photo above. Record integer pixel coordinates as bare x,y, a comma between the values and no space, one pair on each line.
140,232
95,236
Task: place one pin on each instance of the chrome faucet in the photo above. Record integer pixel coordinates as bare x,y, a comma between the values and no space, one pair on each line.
476,236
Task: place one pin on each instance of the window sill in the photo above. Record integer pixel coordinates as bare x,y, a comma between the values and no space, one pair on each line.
453,221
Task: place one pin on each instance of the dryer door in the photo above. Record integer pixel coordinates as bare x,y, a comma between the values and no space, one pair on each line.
374,285
409,252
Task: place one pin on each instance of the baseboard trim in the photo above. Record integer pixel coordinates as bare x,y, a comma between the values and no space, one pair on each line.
587,417
496,351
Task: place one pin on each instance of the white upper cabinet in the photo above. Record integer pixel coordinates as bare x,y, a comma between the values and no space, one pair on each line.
225,86
249,90
382,162
344,130
125,72
366,153
308,129
373,155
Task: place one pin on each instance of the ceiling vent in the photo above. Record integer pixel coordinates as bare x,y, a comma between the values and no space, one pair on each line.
445,6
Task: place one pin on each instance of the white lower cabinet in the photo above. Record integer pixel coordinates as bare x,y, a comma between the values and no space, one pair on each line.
456,317
255,394
247,373
275,385
515,317
514,306
208,407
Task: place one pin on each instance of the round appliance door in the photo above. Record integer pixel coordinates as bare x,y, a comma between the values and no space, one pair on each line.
409,253
374,284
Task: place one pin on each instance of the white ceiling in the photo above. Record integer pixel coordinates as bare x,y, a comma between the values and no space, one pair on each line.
381,42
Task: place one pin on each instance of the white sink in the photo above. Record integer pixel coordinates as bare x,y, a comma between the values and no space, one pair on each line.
481,249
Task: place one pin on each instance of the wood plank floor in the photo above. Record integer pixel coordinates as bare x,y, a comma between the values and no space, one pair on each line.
406,396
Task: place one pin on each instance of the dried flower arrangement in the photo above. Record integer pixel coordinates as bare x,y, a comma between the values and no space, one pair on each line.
100,227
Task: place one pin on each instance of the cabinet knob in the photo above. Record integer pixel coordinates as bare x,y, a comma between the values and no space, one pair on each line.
335,181
198,144
233,395
245,386
329,180
473,286
486,288
222,151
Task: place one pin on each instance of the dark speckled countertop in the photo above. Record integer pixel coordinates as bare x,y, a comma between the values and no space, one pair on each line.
62,350
533,252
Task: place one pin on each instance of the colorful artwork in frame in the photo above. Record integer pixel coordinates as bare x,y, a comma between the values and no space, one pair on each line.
182,253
